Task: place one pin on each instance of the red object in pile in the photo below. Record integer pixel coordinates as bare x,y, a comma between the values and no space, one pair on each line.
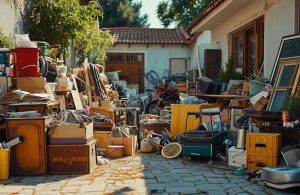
26,62
158,90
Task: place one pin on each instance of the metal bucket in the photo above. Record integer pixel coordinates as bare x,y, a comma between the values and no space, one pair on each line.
241,138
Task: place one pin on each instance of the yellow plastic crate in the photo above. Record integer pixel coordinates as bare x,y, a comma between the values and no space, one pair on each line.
263,143
257,161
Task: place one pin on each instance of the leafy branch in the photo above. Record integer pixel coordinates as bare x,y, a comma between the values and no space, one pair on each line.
67,23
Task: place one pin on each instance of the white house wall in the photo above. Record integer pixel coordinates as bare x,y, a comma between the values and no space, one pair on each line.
10,17
203,42
157,58
279,21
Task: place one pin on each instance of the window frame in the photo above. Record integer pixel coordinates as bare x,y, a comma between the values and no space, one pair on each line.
170,62
258,27
294,82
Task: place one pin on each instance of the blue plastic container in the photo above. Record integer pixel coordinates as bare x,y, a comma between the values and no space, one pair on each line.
4,56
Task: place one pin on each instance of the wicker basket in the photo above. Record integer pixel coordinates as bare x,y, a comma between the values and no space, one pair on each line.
156,127
146,146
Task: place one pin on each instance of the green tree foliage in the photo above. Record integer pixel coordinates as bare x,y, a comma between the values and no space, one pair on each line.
67,23
5,42
181,12
120,13
293,105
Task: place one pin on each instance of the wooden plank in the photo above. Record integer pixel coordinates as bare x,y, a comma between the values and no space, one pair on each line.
86,77
74,81
77,100
92,83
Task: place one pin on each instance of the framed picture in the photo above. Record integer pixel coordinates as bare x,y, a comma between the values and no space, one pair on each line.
289,48
286,83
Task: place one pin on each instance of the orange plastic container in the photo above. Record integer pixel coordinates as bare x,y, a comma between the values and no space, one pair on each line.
263,144
257,161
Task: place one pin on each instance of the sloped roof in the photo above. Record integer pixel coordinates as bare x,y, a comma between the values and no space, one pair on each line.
204,13
133,35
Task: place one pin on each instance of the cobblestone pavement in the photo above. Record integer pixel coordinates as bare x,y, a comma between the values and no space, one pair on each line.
142,174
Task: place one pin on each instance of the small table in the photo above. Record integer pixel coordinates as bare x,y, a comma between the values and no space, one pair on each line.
222,96
218,98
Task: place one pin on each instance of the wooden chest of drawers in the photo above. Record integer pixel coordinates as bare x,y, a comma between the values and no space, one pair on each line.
72,159
28,157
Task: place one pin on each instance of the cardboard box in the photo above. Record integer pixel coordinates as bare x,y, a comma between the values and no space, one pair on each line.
105,103
31,84
62,84
246,87
72,131
260,104
102,138
128,142
107,112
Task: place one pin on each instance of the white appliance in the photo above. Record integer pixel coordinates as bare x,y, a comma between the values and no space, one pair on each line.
236,157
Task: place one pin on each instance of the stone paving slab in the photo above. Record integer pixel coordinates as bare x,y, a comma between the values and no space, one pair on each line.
142,174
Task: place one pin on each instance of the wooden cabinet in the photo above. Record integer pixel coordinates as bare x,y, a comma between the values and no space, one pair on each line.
72,159
28,157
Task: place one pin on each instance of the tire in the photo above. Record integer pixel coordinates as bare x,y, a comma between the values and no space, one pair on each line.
154,107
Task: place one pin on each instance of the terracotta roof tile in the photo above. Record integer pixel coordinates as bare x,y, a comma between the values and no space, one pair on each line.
134,35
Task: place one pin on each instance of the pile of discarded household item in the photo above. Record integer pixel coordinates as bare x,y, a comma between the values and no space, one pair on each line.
70,120
64,118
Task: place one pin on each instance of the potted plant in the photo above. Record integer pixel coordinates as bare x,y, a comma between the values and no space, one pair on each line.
229,73
293,107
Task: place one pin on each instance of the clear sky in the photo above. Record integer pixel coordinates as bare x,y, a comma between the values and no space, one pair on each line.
149,7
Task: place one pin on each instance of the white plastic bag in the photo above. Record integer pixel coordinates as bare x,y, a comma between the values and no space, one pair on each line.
22,40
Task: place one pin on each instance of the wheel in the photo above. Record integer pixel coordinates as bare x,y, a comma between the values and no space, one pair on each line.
154,107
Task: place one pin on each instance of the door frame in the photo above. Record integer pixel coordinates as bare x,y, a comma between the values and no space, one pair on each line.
141,80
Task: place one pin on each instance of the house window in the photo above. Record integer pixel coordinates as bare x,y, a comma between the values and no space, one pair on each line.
134,58
115,57
177,66
248,47
239,44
